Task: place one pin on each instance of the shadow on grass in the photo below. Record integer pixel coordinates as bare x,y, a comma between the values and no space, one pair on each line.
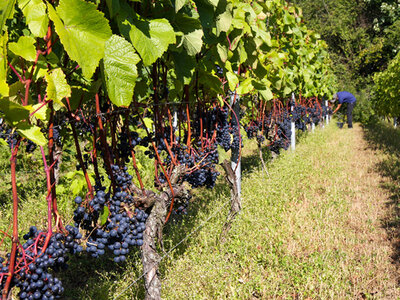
385,138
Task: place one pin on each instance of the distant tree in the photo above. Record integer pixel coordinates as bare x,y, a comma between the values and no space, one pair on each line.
363,35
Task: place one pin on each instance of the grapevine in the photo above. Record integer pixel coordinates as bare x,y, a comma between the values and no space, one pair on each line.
161,79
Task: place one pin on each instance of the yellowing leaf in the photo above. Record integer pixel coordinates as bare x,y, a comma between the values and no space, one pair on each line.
57,86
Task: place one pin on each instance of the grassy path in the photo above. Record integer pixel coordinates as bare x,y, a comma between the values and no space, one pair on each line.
316,228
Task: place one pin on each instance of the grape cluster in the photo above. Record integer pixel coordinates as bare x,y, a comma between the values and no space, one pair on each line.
277,127
121,229
124,148
252,129
40,256
11,137
219,70
8,135
223,129
205,174
200,164
236,141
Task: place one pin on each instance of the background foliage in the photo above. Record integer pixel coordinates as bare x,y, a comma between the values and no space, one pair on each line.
362,36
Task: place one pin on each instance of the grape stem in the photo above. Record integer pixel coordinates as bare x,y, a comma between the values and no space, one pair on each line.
15,240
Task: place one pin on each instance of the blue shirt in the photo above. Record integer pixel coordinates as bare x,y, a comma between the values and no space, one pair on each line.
346,97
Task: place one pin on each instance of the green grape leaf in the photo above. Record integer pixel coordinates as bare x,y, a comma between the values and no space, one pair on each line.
3,88
287,90
222,52
83,31
41,68
224,20
213,2
263,89
25,47
148,123
245,87
6,12
57,86
120,72
184,66
113,7
192,33
42,112
32,132
35,15
151,38
13,112
266,94
210,81
233,80
82,94
3,142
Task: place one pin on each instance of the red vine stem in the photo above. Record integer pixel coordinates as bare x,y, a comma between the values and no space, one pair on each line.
15,240
162,167
52,164
49,192
44,103
16,72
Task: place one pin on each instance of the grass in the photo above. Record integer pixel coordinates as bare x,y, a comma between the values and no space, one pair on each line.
311,230
323,224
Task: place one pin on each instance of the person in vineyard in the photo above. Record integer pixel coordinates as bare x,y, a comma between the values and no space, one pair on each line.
350,100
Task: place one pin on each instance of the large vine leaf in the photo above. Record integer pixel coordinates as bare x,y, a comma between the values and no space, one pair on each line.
224,20
120,72
35,15
25,47
32,132
13,112
57,86
83,31
151,38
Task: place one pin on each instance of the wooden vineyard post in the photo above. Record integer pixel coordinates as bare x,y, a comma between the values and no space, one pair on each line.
233,170
235,155
293,126
327,115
